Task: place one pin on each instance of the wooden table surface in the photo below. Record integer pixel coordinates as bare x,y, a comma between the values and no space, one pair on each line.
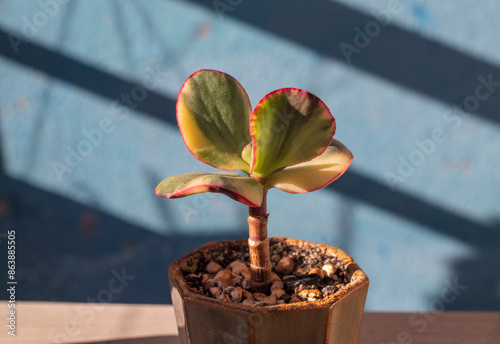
51,322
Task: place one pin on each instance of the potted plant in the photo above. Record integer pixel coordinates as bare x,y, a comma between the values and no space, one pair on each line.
261,290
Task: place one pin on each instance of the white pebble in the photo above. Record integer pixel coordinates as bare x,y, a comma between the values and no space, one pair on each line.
329,270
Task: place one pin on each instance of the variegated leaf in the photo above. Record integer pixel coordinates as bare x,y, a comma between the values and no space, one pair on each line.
314,174
288,126
242,189
213,112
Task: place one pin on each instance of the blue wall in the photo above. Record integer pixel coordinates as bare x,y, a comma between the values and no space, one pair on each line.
88,129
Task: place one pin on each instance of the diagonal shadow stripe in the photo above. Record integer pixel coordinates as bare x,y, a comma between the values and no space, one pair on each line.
395,54
79,74
352,184
402,204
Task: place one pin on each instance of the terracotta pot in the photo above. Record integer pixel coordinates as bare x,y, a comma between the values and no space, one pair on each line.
203,320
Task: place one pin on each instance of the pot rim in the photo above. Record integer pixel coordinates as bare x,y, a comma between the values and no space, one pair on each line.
357,280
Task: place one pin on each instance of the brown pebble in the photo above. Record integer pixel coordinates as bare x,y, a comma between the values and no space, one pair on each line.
223,297
213,267
236,294
246,274
318,272
247,283
226,273
210,283
215,291
295,299
274,277
238,267
247,295
280,302
277,285
223,283
259,296
248,302
270,300
278,292
285,266
238,280
205,278
224,278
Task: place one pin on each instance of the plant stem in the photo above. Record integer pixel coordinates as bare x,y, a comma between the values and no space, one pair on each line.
258,244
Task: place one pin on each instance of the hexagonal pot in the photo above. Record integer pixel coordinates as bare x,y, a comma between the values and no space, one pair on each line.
204,320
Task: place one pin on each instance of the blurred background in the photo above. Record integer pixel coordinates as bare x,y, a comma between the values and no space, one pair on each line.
88,129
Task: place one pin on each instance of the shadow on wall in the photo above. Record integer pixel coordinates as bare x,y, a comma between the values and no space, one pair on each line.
66,242
70,252
479,282
393,53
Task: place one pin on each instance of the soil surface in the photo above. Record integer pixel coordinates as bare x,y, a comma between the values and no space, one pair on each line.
300,273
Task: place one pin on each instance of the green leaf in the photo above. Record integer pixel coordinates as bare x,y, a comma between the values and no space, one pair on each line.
242,189
288,126
314,174
213,112
247,153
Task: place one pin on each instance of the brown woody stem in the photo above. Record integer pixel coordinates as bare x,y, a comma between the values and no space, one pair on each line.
258,243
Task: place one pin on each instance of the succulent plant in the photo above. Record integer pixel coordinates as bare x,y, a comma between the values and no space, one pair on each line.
286,142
